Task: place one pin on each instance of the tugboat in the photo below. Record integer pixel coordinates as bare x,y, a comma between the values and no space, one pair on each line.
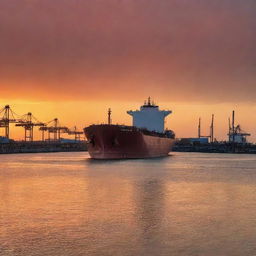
147,138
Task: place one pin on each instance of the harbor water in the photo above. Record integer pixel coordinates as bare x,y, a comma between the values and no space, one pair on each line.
65,204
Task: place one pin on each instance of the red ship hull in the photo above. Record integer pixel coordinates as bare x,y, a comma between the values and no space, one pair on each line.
125,142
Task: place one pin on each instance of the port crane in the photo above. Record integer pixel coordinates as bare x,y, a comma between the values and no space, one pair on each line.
235,133
76,133
211,136
28,122
56,129
8,117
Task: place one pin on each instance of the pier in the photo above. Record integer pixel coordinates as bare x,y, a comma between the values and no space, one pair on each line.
217,147
41,147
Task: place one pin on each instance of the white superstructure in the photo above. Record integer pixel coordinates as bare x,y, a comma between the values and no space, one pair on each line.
238,136
149,116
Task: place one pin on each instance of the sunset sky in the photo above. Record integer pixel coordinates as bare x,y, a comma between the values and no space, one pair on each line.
73,59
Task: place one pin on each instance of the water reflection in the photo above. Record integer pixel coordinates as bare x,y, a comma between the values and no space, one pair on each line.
149,198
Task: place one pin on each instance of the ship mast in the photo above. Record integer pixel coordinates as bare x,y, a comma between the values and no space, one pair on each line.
109,116
149,101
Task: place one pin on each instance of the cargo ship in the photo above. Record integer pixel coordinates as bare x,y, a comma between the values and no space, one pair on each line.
146,138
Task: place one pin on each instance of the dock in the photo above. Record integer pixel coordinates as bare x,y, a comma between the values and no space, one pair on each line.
217,147
14,147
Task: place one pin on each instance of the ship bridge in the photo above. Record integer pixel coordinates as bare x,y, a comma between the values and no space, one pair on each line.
149,116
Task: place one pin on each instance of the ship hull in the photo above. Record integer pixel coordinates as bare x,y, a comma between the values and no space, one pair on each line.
125,142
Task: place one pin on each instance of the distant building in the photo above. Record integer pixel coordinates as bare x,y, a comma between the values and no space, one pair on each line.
4,140
238,136
64,140
202,140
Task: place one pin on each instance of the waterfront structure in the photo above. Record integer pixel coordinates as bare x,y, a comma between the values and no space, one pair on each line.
4,140
201,140
236,134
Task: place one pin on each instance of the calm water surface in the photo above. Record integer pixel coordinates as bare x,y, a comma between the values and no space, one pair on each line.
185,204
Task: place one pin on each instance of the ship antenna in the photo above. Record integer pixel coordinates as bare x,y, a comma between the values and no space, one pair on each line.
149,103
109,116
